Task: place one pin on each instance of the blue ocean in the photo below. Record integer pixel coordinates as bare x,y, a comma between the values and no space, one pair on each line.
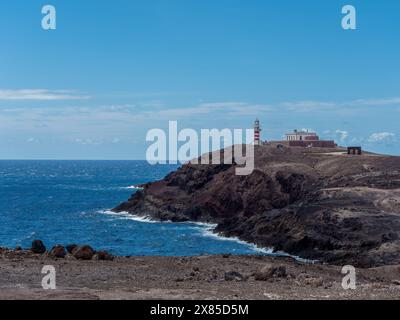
64,202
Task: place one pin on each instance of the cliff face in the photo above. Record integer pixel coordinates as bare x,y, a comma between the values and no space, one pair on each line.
313,203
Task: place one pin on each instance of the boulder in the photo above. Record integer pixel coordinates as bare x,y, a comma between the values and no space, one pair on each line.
103,256
71,248
18,248
308,280
314,282
269,272
234,276
280,272
396,282
83,252
38,247
58,251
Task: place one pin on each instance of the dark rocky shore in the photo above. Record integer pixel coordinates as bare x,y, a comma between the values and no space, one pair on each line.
72,251
315,203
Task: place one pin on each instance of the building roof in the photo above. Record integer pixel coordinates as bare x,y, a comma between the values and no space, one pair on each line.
302,133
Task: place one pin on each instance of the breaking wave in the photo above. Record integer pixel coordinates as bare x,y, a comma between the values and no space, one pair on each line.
208,230
132,188
128,216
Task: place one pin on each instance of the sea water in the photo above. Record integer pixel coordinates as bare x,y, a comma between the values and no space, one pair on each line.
65,202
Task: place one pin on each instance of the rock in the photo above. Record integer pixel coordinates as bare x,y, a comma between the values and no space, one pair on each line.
18,248
314,282
234,276
306,205
57,251
38,247
308,280
396,282
280,272
83,252
327,285
103,256
3,250
71,248
269,272
265,273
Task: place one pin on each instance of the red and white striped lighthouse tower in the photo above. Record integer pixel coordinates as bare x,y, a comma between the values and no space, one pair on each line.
257,133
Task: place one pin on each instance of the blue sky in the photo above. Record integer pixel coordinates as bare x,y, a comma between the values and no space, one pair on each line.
115,69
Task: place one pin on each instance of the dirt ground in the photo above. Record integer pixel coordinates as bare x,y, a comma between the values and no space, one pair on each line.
203,277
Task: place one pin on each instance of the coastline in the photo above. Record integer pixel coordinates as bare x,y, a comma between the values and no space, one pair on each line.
209,230
341,210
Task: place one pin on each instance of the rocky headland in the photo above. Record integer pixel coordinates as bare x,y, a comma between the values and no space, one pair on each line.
319,204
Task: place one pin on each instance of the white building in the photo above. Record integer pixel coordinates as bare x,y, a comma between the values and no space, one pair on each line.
301,136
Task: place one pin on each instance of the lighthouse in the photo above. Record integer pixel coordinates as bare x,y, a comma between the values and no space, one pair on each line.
257,133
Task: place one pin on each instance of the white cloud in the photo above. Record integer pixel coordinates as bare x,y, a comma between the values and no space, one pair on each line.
377,102
39,94
31,140
381,136
308,130
88,141
343,135
308,105
313,105
229,108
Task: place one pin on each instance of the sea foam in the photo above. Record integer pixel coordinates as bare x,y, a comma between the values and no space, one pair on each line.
208,230
132,188
128,216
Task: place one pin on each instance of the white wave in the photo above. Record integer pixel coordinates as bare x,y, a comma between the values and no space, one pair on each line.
128,216
207,225
142,219
27,237
132,188
209,232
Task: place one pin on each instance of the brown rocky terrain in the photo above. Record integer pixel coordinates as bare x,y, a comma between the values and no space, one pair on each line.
205,277
319,204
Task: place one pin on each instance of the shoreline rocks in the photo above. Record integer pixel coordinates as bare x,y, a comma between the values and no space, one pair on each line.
103,256
71,248
58,251
84,252
38,247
